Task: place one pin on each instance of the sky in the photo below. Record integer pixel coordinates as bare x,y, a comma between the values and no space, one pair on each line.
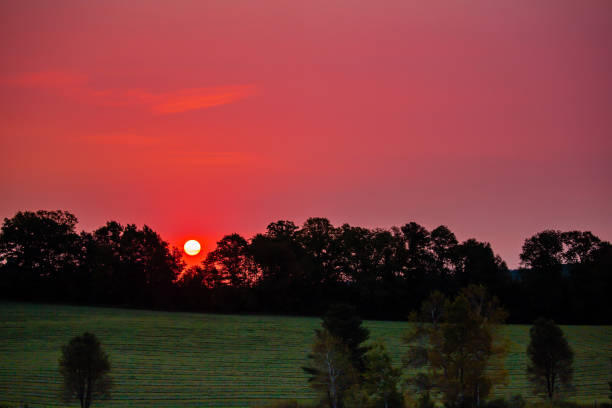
205,118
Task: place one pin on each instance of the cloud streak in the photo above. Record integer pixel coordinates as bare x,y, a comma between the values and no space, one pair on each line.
163,103
196,98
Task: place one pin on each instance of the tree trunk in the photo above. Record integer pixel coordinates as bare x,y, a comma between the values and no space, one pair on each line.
88,396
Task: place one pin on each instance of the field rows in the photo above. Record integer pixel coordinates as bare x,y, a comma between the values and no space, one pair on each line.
162,359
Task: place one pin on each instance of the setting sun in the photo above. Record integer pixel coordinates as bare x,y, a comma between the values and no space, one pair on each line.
192,247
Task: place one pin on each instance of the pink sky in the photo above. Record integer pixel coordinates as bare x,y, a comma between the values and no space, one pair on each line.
203,118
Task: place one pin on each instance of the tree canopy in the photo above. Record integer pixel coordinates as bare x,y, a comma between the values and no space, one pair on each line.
85,369
39,254
330,368
453,344
549,369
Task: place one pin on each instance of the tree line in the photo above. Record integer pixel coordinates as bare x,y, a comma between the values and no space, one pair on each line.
303,269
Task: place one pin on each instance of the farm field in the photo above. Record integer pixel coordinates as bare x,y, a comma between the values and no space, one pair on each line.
164,359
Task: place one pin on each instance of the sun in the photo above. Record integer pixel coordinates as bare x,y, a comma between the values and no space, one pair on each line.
192,247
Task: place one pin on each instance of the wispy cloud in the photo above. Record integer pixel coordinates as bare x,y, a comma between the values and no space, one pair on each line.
196,98
171,102
177,101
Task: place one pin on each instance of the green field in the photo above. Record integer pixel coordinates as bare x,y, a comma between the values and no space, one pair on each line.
163,359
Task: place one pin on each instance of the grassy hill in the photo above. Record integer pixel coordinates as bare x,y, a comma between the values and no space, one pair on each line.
163,359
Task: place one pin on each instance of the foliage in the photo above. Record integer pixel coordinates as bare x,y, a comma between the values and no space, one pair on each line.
129,265
38,254
330,369
85,368
454,342
381,379
476,263
42,257
550,359
563,276
231,258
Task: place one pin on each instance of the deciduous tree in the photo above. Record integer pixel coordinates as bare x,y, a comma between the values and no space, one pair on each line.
381,379
38,254
330,368
232,259
85,369
132,265
550,359
456,341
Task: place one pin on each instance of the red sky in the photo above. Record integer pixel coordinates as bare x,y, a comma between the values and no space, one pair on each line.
203,118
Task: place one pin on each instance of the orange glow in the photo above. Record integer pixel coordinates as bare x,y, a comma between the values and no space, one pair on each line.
192,247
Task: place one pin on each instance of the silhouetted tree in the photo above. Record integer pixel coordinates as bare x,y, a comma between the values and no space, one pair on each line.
282,230
232,259
133,266
444,247
38,255
590,285
415,262
561,277
85,368
281,284
317,237
543,251
549,368
580,246
542,261
419,258
195,286
355,254
477,264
